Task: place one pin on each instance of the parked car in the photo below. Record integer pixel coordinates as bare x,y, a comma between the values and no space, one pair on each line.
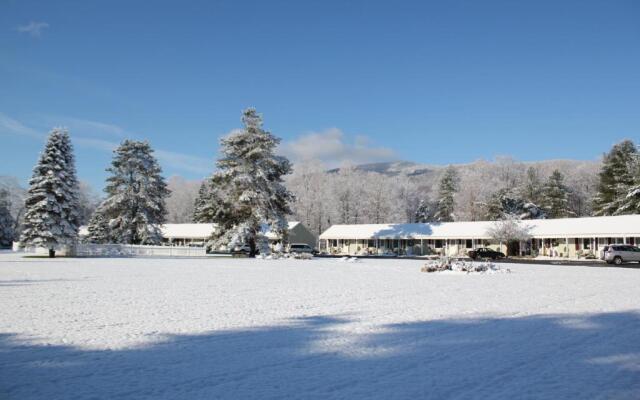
620,253
485,252
244,249
301,248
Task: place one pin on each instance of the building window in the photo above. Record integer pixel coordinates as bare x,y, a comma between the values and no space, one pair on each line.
469,243
438,244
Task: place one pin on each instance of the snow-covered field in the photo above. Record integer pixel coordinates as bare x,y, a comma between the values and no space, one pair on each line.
273,329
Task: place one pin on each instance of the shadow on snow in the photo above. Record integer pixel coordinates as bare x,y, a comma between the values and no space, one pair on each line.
546,357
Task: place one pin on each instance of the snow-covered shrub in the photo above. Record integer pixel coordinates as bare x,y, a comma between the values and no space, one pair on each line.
463,266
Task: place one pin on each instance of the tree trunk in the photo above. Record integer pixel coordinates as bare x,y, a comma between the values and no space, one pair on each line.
52,253
252,247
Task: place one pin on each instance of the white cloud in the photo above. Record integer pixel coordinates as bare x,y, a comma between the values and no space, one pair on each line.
92,128
179,161
94,143
185,162
33,28
10,126
332,148
172,159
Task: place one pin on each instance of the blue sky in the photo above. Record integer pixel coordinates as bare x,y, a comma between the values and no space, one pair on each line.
362,81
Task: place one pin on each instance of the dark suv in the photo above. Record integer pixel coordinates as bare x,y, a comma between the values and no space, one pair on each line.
485,252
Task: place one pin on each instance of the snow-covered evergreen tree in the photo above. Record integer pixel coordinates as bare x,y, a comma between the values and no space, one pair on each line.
250,182
446,193
136,193
532,211
507,203
630,204
212,202
7,223
555,196
531,189
52,205
502,203
616,178
424,213
98,228
203,203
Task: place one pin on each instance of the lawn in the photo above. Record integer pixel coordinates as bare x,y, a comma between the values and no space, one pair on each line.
324,328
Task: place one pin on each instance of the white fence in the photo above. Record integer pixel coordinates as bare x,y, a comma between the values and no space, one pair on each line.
129,250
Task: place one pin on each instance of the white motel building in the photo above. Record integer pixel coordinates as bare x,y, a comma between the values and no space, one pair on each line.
567,237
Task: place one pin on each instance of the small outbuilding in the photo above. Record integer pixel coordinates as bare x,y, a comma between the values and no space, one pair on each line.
199,234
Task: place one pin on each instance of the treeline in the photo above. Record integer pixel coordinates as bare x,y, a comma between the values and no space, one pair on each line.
472,192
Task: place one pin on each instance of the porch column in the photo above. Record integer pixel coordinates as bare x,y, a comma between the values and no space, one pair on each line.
566,244
624,240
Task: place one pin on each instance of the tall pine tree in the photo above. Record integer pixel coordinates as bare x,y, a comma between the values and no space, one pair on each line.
52,205
555,196
447,190
6,220
248,186
616,178
136,192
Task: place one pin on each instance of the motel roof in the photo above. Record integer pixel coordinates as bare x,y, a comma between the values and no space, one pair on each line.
615,226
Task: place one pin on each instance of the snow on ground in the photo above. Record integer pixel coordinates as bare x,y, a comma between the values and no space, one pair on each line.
318,329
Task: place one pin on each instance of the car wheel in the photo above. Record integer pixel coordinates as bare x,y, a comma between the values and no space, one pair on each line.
617,260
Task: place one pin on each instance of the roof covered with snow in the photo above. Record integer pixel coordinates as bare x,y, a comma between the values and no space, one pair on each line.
187,231
272,235
193,231
618,226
